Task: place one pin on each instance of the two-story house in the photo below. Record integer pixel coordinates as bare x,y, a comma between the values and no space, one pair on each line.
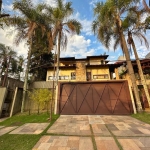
87,86
91,68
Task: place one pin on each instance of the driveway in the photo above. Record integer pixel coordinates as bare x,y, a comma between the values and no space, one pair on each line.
71,132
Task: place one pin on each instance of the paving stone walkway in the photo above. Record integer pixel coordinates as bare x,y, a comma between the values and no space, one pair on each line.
83,132
64,143
4,130
30,128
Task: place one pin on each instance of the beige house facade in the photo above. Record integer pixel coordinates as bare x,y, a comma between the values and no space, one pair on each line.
91,68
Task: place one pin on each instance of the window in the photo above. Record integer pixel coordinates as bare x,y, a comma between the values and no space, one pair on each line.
73,75
63,77
102,62
51,78
66,77
100,76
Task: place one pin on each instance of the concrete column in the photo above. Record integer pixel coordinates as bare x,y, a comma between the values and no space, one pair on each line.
56,100
117,74
3,93
132,99
13,103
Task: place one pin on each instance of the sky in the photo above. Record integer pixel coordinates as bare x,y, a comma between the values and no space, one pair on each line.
79,46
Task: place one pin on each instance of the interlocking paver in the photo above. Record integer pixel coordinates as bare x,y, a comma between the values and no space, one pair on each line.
100,129
71,125
64,143
96,119
126,129
126,126
5,130
30,128
106,143
1,127
135,143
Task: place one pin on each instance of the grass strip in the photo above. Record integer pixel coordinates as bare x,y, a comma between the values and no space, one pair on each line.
145,117
22,118
23,142
116,140
93,139
18,142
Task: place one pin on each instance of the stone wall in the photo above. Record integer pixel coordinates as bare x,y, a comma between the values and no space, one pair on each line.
80,71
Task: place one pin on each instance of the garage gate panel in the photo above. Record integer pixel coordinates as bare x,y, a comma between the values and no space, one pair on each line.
94,98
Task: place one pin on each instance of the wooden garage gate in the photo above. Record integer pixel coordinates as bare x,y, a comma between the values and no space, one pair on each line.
94,98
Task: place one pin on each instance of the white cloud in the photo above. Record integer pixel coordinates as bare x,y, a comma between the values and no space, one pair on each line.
92,3
21,49
77,47
141,48
86,24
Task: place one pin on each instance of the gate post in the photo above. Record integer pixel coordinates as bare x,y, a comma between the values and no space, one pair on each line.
3,93
132,99
13,103
56,100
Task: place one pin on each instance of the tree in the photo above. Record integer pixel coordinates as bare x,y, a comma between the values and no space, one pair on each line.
8,59
146,6
132,26
2,15
108,25
61,27
40,56
30,19
133,21
40,96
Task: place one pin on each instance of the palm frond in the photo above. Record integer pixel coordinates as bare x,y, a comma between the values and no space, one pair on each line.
95,26
74,26
116,43
68,10
145,6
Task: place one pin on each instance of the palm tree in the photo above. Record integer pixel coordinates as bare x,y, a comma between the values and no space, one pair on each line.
62,25
7,57
2,15
133,21
132,26
108,24
26,24
146,6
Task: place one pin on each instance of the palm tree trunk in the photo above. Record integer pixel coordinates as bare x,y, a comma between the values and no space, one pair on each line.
26,77
129,64
0,7
2,15
52,100
58,57
141,72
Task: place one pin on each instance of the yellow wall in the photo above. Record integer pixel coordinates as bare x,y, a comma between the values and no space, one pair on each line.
61,73
81,70
97,71
96,61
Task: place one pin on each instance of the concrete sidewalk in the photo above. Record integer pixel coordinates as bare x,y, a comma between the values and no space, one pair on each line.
96,133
